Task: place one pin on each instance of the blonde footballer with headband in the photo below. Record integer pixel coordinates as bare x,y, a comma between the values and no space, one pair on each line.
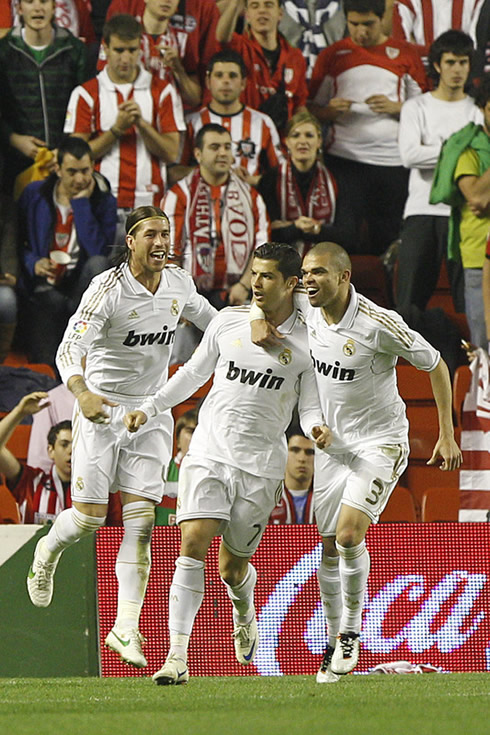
115,354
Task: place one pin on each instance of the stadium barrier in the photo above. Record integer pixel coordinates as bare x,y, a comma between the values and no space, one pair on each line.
428,601
60,640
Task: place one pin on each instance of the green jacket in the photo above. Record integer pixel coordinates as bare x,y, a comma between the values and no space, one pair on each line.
445,188
34,96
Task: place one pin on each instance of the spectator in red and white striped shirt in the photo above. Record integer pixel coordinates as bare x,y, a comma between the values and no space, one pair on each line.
40,495
131,120
256,143
422,21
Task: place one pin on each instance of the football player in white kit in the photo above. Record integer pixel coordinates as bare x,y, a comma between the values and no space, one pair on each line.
114,354
354,346
231,478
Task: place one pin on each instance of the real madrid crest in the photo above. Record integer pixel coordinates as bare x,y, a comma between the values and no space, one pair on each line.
174,309
79,484
285,357
349,348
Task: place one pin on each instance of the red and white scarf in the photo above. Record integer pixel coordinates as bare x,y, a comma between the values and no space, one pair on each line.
320,202
220,231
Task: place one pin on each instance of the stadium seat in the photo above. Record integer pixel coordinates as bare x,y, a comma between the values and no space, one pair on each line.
9,512
415,389
41,367
442,293
419,476
18,443
16,359
369,278
400,507
461,385
440,504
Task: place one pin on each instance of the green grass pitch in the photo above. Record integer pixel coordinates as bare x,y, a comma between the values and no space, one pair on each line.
427,704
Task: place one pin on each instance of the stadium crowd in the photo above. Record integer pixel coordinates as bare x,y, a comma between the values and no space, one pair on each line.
365,123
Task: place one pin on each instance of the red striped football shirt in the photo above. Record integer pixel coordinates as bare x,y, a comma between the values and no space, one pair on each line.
136,176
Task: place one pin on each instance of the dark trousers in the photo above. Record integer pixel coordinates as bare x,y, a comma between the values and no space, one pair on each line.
50,308
422,249
375,197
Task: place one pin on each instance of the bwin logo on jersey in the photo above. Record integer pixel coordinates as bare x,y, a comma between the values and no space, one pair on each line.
335,371
165,337
264,380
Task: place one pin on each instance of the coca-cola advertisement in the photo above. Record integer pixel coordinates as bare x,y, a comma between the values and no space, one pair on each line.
428,601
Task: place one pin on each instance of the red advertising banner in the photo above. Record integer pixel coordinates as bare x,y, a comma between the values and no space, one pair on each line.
428,601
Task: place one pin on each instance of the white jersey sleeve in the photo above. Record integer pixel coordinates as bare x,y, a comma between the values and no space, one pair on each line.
189,377
309,402
95,309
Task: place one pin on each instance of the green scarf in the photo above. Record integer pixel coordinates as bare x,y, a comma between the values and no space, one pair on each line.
445,188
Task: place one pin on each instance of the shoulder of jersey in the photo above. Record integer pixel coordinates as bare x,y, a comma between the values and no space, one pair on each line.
387,319
111,277
177,270
243,309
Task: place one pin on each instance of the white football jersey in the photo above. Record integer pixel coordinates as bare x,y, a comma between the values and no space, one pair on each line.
249,407
127,333
354,363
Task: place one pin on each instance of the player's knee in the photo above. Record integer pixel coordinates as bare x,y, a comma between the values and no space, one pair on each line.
349,536
329,548
196,538
194,545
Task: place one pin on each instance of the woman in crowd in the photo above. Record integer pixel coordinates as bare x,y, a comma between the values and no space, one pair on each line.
301,195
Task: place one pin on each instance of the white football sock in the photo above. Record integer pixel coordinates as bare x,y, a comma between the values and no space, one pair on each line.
134,561
186,596
69,527
354,570
242,597
331,595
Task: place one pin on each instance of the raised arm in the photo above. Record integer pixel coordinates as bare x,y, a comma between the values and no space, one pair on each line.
27,406
230,12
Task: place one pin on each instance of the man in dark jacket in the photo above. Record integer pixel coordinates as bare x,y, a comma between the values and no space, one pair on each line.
71,216
40,64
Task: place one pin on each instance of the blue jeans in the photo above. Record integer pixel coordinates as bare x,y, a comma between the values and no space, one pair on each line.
473,299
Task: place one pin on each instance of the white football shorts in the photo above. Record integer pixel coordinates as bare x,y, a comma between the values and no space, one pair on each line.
364,479
107,458
243,502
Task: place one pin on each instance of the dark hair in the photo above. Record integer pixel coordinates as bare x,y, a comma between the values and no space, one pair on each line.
208,128
141,213
288,259
187,418
482,95
125,26
227,56
294,429
450,42
55,430
279,2
377,7
76,147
